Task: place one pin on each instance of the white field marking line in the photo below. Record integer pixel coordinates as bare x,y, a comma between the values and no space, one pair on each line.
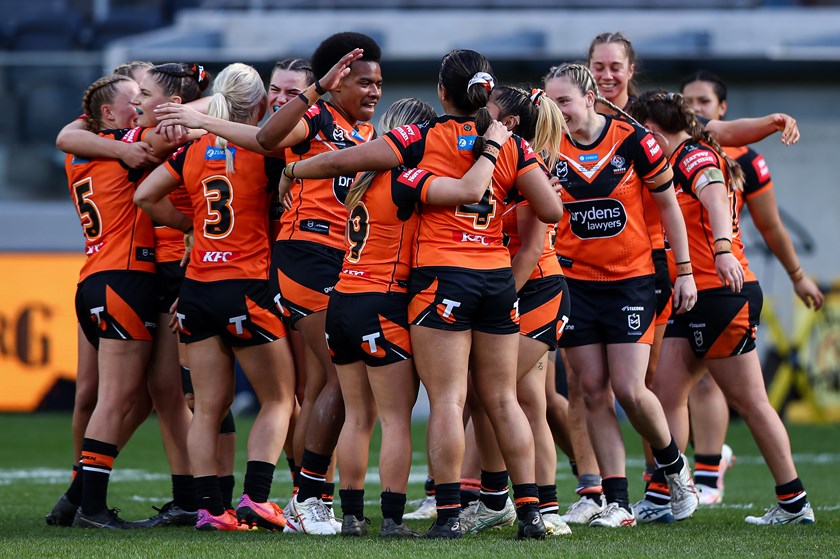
55,476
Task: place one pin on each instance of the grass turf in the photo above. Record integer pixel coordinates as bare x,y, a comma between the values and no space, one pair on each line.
34,470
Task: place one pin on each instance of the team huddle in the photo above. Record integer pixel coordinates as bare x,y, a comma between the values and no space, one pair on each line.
580,227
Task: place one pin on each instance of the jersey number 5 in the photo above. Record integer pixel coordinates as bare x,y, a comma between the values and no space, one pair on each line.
481,212
358,228
218,193
88,212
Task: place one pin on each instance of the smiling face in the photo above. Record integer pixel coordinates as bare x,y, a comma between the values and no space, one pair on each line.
284,86
613,71
120,110
701,97
577,108
150,96
359,91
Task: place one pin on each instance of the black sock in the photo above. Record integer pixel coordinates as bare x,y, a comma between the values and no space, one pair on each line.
657,491
494,489
615,490
791,496
183,492
526,497
429,487
353,502
292,468
313,473
257,484
393,506
228,425
74,492
97,460
448,499
328,494
668,458
548,499
209,495
707,469
573,465
226,484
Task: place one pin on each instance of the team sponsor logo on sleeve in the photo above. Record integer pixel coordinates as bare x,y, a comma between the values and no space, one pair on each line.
465,143
132,135
700,157
79,160
527,150
596,219
652,149
407,135
313,111
213,153
178,152
412,177
760,166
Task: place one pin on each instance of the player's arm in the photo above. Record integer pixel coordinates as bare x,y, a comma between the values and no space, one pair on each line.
714,197
76,140
151,198
745,131
532,237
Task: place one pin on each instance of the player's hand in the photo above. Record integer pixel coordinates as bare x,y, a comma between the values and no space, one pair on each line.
332,78
284,191
497,132
173,320
810,294
189,241
139,155
729,271
786,124
171,114
685,293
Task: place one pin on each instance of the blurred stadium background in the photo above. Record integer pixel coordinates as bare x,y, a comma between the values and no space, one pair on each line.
776,55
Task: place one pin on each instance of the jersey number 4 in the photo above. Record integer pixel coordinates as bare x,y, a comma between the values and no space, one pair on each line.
481,212
88,212
218,192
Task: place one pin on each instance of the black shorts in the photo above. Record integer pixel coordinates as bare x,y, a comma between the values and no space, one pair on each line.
240,312
662,283
170,276
613,312
721,323
369,327
544,309
117,305
304,273
448,298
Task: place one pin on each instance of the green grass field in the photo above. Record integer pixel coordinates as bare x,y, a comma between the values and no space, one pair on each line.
34,470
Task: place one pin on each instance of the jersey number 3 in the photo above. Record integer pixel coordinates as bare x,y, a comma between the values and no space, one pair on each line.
218,192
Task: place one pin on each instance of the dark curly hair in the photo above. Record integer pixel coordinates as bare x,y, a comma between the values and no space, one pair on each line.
331,49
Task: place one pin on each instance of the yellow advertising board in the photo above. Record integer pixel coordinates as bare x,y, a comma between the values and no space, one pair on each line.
37,325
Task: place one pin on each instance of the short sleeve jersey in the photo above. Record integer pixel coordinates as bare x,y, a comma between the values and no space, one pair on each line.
690,160
318,213
470,235
381,231
757,177
230,211
118,235
603,234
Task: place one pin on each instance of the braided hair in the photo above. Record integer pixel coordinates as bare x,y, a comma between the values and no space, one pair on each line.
101,92
187,81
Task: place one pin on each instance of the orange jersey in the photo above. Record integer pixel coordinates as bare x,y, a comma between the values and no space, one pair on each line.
230,211
470,235
381,230
169,243
689,161
603,235
318,213
118,235
757,177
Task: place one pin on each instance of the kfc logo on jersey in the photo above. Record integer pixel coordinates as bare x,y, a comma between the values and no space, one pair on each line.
356,273
600,218
214,256
412,177
484,240
407,135
652,149
93,249
760,166
700,157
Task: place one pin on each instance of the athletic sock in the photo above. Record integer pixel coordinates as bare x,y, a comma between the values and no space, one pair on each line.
526,498
226,484
573,466
615,491
429,487
74,492
590,486
668,458
258,477
183,492
97,461
393,506
327,494
353,502
292,468
448,501
494,489
313,473
208,494
706,469
657,491
470,490
791,496
548,499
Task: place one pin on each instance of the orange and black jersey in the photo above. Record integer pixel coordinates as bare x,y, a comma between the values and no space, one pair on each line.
603,234
381,230
118,235
318,213
169,243
690,160
230,211
757,177
470,235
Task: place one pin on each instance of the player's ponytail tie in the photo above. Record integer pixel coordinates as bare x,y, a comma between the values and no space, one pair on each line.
483,78
536,96
198,72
